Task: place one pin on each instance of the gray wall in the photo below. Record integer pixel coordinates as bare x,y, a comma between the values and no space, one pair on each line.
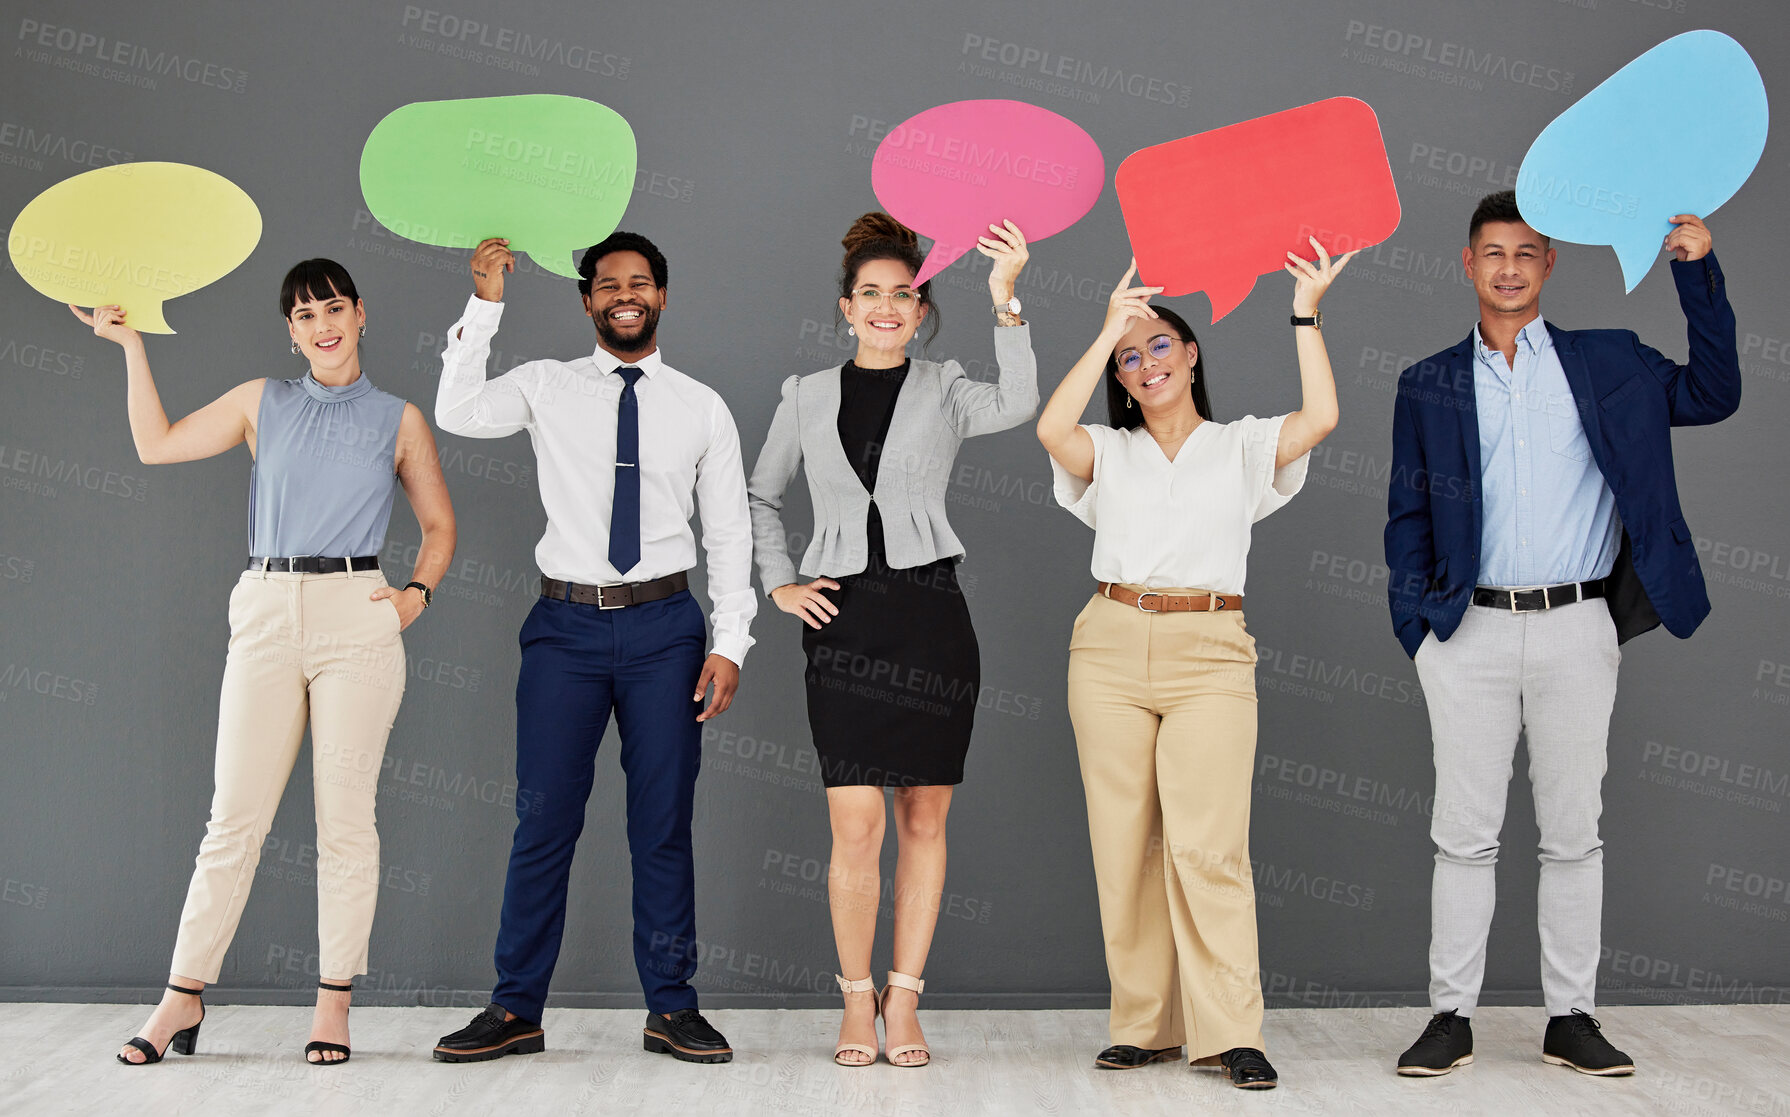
753,123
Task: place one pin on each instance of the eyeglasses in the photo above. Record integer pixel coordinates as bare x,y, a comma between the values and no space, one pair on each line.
903,299
1130,360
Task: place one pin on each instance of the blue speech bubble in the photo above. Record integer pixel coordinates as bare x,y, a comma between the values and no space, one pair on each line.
1678,130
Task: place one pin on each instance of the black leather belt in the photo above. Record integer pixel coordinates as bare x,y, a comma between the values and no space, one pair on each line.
313,564
615,597
1532,601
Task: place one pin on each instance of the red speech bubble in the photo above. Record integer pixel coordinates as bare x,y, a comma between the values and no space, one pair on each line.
1212,212
952,171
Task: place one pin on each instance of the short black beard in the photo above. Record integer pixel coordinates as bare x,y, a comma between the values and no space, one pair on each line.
612,339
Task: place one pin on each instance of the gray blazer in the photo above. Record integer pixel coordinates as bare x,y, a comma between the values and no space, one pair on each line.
937,409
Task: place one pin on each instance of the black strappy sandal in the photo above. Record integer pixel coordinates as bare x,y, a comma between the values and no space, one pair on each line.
320,1045
185,1041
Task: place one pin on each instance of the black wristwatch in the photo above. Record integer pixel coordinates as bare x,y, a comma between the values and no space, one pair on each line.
1316,319
428,594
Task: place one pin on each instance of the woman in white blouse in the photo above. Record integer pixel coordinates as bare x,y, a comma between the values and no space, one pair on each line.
1162,668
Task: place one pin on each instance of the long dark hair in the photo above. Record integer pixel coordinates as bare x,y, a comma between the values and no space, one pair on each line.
1124,417
877,236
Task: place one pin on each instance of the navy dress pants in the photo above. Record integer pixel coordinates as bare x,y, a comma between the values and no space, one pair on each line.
579,663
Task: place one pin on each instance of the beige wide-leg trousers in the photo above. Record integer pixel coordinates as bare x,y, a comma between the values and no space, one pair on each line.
302,647
1164,708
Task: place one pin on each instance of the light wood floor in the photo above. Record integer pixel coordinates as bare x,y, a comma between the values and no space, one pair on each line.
57,1058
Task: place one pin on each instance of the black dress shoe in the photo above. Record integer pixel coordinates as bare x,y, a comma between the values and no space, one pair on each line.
1249,1069
490,1036
1577,1041
1446,1043
685,1035
1123,1056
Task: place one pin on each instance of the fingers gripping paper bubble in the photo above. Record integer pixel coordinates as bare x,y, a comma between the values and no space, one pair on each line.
1678,130
134,235
1213,212
952,171
553,174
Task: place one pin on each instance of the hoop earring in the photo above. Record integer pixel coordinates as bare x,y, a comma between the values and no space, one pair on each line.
295,349
363,331
1130,401
851,331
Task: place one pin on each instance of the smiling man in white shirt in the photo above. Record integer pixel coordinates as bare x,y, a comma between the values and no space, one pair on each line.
628,448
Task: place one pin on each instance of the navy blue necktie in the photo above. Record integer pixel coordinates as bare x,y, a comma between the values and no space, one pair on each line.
624,513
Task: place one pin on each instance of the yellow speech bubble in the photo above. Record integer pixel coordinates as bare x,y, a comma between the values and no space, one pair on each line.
135,235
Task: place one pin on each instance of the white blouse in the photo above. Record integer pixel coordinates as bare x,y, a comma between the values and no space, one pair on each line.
1183,523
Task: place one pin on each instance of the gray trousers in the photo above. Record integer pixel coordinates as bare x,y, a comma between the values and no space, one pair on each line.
1552,676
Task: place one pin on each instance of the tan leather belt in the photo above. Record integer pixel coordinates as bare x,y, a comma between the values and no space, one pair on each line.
1153,602
615,597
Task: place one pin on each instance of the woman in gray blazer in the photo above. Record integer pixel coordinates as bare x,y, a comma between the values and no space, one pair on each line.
893,667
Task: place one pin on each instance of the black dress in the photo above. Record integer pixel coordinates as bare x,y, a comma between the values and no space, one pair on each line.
893,679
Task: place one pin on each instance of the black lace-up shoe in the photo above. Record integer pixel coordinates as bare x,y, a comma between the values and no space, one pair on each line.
490,1036
1123,1056
1577,1041
1249,1069
685,1035
1446,1043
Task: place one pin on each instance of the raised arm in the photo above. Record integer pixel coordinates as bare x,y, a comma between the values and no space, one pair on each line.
1317,413
465,402
973,407
207,432
1706,388
1059,427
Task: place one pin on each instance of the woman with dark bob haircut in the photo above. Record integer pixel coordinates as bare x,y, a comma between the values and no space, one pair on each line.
313,633
893,666
1162,667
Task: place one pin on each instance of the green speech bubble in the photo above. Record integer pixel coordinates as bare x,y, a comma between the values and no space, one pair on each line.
551,173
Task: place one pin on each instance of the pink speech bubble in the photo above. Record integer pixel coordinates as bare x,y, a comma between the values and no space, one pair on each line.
1212,212
952,171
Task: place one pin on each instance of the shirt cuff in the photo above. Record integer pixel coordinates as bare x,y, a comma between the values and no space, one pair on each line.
483,316
732,648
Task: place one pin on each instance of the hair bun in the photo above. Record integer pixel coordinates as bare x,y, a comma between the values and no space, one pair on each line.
877,226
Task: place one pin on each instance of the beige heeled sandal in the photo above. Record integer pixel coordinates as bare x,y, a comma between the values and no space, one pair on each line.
862,985
904,981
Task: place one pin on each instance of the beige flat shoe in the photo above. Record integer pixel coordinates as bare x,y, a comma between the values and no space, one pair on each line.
862,985
905,981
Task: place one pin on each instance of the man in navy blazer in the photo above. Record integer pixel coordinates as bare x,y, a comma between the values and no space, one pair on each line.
1534,525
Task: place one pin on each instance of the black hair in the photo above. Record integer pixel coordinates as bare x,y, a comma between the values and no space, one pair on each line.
619,241
877,236
316,279
1120,414
1499,206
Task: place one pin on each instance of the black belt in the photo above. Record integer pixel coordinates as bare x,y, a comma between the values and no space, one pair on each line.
1547,597
314,564
615,597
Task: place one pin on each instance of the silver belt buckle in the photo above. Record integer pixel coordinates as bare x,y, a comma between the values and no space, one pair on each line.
1140,601
608,608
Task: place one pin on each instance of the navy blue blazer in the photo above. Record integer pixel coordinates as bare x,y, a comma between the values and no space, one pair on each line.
1629,398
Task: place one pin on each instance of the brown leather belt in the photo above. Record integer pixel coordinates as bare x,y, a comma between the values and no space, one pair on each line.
1172,603
615,597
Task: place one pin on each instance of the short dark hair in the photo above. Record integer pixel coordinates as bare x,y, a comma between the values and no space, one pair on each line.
1499,206
315,279
619,241
1119,414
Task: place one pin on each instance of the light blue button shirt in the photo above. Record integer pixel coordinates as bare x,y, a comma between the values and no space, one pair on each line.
1549,515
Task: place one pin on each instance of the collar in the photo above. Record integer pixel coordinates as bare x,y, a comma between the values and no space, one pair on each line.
323,393
608,362
1533,336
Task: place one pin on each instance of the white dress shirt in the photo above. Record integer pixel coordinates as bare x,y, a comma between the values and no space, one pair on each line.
689,451
1181,524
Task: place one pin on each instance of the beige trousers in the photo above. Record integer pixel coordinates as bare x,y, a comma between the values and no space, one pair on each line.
302,647
1164,708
